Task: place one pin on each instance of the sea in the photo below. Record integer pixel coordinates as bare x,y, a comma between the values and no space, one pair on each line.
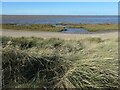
55,19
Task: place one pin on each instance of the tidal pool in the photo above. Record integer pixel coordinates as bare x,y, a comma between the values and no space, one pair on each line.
75,30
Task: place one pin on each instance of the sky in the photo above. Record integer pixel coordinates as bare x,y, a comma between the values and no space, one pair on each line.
59,8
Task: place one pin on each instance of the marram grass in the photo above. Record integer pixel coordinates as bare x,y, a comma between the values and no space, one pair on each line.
86,64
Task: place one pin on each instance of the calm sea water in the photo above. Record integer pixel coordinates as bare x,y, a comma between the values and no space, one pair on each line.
53,19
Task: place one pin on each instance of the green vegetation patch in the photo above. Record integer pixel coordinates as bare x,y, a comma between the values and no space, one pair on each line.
49,27
33,27
96,27
93,27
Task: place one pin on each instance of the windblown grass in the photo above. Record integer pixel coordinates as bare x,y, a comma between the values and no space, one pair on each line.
86,64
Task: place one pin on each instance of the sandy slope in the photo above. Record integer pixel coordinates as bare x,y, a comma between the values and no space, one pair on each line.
15,33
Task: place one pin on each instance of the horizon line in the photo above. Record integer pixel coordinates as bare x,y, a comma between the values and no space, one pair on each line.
59,15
